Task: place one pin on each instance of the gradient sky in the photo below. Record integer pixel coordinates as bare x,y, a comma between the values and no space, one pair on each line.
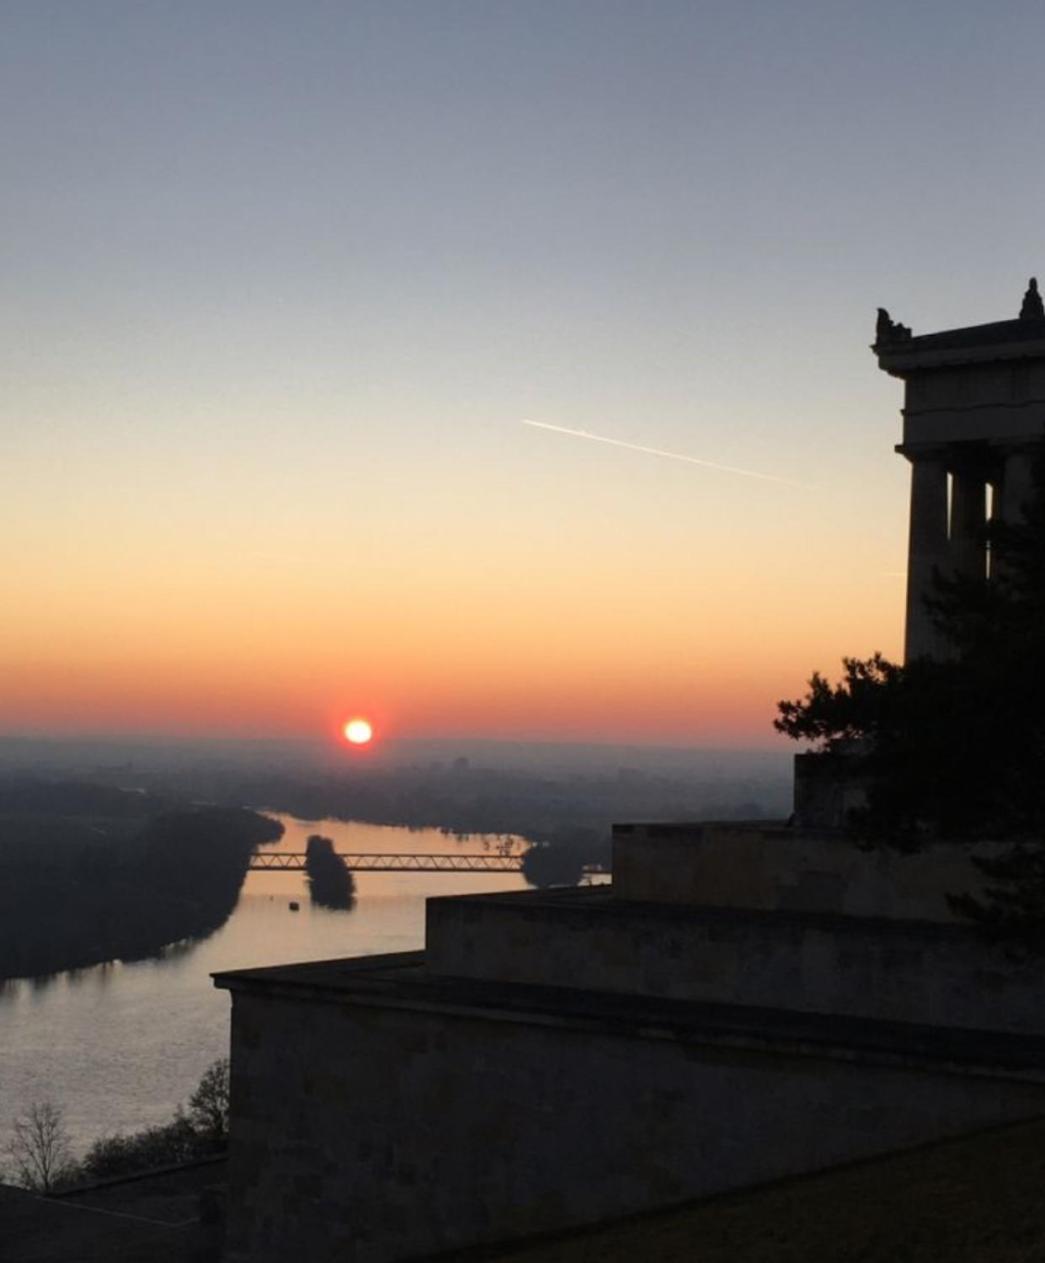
283,279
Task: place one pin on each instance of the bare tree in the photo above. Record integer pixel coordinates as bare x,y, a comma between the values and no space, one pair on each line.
39,1147
209,1104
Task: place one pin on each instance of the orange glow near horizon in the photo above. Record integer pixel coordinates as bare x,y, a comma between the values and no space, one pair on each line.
642,660
470,619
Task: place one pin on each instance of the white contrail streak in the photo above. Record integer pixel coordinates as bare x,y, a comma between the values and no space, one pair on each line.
657,451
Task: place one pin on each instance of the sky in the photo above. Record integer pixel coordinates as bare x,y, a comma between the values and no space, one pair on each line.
284,280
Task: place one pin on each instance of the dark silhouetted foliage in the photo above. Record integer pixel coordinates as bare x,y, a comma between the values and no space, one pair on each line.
209,1104
166,1145
837,717
559,857
545,864
77,890
200,1131
330,884
954,749
1013,906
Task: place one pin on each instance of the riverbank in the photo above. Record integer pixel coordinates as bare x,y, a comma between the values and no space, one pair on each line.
79,888
119,1046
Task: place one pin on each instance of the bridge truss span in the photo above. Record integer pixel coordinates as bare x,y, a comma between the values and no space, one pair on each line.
376,862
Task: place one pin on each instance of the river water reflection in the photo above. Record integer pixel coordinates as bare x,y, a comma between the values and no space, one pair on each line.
120,1046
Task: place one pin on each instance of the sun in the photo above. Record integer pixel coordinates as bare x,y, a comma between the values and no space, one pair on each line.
358,732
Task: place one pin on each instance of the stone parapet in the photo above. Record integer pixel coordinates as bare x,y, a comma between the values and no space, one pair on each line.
887,970
777,868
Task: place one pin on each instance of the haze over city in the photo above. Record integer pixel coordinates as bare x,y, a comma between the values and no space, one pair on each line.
283,283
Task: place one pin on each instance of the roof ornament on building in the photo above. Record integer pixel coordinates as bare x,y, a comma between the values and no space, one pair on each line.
887,330
1033,308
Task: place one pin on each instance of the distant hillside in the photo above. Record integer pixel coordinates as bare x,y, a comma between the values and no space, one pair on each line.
91,874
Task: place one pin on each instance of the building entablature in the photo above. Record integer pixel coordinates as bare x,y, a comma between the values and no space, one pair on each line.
979,458
977,344
903,355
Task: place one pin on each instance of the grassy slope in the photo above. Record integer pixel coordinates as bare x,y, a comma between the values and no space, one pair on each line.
980,1199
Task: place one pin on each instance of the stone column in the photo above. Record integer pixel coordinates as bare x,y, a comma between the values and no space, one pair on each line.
1012,491
968,553
927,550
1015,487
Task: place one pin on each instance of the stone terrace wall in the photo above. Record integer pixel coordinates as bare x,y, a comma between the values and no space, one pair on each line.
364,1133
896,971
773,867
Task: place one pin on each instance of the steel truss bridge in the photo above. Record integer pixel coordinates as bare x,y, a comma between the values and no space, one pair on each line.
377,862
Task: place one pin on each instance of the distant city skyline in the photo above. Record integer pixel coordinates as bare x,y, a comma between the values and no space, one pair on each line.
283,281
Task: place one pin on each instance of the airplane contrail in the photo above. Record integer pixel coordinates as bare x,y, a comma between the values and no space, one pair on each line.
657,451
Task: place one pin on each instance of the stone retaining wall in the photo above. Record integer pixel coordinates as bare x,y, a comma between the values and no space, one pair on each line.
364,1132
896,971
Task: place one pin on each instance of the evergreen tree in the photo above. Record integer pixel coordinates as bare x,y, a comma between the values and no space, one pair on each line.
953,748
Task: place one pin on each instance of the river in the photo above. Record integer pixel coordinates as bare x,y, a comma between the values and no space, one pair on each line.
119,1046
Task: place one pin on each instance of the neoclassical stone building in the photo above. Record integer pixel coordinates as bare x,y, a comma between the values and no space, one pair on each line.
974,398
